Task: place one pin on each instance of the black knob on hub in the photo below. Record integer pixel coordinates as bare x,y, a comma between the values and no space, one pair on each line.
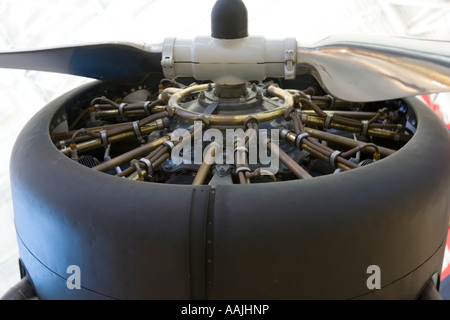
229,20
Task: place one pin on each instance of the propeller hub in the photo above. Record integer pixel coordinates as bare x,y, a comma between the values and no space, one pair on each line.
229,20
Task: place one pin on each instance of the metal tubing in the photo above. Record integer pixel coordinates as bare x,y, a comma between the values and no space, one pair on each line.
348,114
156,164
96,143
242,178
289,162
229,120
202,173
323,153
347,142
128,156
380,133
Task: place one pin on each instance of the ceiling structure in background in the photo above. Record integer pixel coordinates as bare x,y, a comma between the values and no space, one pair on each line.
39,24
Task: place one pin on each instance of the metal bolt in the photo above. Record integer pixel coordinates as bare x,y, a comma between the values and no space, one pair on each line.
259,95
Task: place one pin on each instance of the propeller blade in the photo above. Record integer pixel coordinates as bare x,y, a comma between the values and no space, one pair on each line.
365,68
103,61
